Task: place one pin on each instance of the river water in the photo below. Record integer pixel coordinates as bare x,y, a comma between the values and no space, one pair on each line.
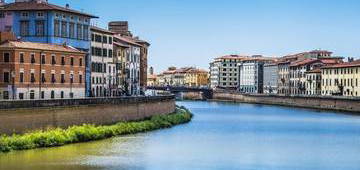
221,136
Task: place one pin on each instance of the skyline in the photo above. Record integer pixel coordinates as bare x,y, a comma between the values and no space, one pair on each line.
187,32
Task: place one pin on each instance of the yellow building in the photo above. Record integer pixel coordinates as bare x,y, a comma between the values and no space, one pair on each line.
196,78
152,80
341,79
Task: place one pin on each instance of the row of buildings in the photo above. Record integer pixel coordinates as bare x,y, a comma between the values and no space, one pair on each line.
49,51
186,76
313,73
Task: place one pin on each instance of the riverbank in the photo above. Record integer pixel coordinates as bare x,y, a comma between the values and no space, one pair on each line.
314,102
87,132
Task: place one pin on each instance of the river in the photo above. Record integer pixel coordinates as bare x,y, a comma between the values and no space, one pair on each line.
221,136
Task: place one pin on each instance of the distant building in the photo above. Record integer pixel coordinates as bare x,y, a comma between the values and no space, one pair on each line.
341,79
251,74
41,71
186,76
196,78
224,72
270,78
313,82
103,70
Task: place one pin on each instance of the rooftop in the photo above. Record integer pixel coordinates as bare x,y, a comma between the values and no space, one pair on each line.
344,65
42,6
39,46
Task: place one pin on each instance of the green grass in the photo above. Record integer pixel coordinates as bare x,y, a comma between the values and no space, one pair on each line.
86,132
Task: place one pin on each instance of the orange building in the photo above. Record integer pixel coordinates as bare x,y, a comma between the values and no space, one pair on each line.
41,71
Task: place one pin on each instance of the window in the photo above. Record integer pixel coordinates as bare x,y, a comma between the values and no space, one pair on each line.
24,15
42,95
6,57
86,32
24,28
32,58
21,96
64,29
72,30
53,79
110,40
79,31
21,78
71,95
21,57
62,78
40,15
105,52
105,39
6,77
6,95
110,53
80,79
92,37
32,77
72,61
98,38
43,59
80,62
40,28
71,78
62,94
52,94
43,78
32,94
62,60
53,60
57,28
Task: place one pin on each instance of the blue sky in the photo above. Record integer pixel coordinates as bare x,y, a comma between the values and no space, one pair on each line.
192,32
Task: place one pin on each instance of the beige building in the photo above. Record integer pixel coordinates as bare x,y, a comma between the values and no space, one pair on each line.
196,78
341,79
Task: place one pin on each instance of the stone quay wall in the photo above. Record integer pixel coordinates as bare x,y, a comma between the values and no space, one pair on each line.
327,103
26,116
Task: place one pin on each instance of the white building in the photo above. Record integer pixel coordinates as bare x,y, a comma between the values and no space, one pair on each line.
132,65
103,74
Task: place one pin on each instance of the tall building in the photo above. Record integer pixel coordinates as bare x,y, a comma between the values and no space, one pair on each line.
271,74
41,71
224,72
103,68
251,72
40,21
131,65
313,82
341,79
121,28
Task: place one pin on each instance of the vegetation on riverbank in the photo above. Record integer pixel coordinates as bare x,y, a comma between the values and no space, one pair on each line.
84,133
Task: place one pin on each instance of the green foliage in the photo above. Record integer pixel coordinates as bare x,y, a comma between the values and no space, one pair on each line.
84,133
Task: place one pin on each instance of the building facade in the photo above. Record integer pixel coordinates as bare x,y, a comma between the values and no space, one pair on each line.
41,71
341,79
224,72
103,68
40,21
196,78
271,74
313,82
251,74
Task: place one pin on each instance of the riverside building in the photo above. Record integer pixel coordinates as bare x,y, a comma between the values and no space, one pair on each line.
41,71
41,21
270,78
251,72
224,72
341,79
103,68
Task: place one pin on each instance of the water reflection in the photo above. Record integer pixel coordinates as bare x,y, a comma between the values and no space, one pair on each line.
221,136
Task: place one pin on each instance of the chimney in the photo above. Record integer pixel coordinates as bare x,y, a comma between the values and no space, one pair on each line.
120,27
7,36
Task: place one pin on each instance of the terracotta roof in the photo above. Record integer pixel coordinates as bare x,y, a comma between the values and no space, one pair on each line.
35,6
126,40
303,62
121,44
39,46
151,76
98,29
232,57
344,65
325,61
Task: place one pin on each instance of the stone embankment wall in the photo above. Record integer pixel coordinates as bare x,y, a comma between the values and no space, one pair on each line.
329,103
193,96
25,116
